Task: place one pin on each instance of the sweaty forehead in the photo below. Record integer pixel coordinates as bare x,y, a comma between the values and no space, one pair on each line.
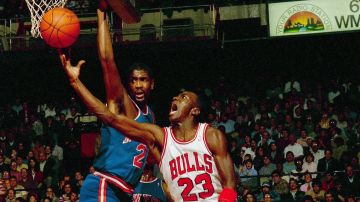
139,74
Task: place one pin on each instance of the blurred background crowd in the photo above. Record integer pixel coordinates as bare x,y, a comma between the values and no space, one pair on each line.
298,140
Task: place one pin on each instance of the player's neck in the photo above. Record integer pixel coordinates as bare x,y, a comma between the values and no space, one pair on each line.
185,130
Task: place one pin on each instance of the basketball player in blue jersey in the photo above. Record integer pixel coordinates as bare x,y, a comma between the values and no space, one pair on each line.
150,187
120,160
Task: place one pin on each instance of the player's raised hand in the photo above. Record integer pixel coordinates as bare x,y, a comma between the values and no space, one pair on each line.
73,72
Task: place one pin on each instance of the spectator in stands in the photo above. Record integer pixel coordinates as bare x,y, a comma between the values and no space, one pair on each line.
283,141
309,165
3,165
37,125
268,167
73,114
289,165
279,185
259,158
213,120
35,173
328,182
6,178
248,174
328,163
265,141
316,193
308,198
228,123
298,172
26,181
339,147
318,153
50,130
47,168
13,171
37,147
10,196
32,197
74,197
350,182
329,197
275,155
307,185
19,190
11,143
21,150
249,197
20,164
66,192
294,194
294,147
50,110
48,153
265,189
50,194
79,179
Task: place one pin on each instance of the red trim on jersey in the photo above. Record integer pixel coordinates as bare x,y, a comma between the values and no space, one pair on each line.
116,181
184,142
164,146
102,190
204,137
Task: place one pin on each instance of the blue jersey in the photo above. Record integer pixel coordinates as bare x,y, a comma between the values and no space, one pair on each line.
121,156
149,191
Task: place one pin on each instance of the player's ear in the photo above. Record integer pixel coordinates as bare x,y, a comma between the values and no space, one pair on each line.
195,111
152,84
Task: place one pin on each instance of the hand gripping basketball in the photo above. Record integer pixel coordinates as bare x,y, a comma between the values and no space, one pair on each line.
228,195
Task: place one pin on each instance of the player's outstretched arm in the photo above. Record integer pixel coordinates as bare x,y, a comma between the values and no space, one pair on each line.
149,134
116,93
218,146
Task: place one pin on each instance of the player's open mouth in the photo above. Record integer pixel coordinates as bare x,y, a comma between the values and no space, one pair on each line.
173,109
139,95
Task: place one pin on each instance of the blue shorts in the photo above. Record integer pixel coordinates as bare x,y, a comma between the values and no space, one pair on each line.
100,187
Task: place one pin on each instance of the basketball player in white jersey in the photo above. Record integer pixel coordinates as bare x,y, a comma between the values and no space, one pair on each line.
193,157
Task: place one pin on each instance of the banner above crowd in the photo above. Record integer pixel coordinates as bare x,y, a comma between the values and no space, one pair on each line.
313,16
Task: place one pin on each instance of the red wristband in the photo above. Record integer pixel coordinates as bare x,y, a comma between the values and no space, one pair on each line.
228,195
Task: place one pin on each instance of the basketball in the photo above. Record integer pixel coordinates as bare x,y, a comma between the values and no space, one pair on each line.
60,27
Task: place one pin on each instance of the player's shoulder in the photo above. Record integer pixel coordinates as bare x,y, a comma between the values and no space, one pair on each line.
213,131
213,134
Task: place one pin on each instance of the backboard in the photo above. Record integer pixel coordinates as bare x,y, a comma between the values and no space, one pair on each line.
125,10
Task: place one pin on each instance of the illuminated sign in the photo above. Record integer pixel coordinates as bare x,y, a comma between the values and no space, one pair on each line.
317,16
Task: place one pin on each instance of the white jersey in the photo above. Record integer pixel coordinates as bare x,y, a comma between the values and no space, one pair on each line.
189,168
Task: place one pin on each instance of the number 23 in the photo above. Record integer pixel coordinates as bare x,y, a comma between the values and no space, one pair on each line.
203,179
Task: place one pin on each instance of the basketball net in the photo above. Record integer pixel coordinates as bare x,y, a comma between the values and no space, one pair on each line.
37,9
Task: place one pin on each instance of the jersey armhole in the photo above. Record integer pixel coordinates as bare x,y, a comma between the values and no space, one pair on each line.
164,146
204,137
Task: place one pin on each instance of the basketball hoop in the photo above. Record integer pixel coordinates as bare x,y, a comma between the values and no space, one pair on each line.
37,9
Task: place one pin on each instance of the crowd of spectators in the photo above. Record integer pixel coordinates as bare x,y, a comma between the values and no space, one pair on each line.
40,150
294,142
298,141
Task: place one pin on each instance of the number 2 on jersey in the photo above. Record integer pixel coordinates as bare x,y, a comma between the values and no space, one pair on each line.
203,179
137,162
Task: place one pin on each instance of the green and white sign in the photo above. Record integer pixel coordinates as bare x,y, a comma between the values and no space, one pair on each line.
313,16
